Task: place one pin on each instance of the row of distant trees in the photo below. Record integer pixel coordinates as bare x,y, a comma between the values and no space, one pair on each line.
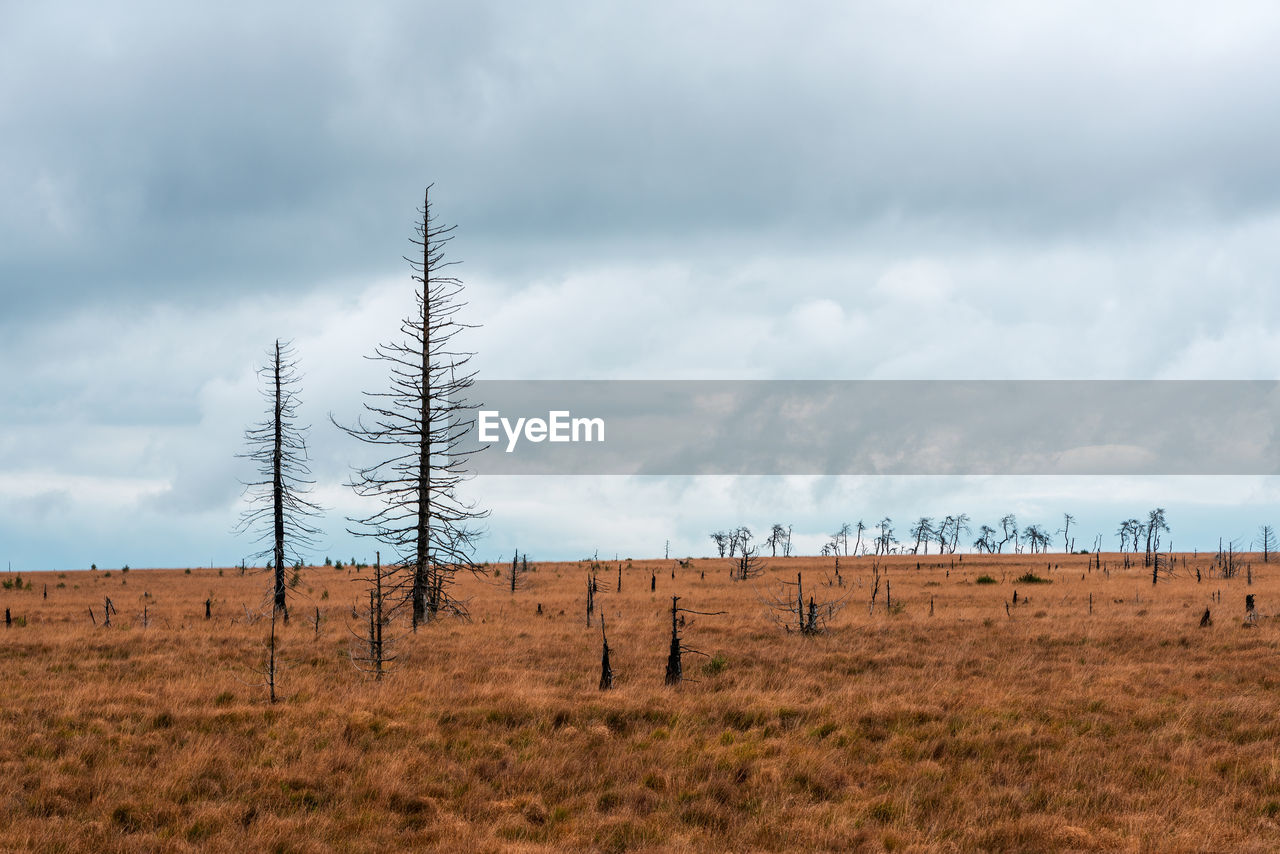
948,534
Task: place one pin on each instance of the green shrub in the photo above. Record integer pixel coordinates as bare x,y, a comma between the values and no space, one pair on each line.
984,579
1032,578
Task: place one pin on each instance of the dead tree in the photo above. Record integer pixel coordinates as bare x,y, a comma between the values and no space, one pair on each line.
1155,524
519,570
606,671
1068,544
1162,566
777,537
675,653
1267,535
875,586
748,564
789,609
373,654
278,511
422,423
1227,562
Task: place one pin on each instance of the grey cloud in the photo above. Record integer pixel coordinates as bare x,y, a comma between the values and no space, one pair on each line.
184,154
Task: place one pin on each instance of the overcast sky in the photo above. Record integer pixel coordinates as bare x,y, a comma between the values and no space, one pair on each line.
653,191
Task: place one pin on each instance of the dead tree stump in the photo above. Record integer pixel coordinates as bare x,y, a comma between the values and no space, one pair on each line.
606,671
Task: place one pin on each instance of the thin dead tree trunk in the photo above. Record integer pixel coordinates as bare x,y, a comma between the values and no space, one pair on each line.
277,488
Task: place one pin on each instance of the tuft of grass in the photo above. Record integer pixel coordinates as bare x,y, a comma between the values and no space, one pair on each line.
984,579
1031,578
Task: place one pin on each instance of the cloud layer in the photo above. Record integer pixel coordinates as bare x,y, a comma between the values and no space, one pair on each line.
888,191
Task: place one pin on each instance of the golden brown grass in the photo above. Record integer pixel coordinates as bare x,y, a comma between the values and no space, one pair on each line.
1044,729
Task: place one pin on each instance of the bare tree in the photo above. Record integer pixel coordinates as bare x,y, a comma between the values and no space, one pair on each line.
675,653
986,541
1132,532
960,527
875,587
748,564
423,421
942,533
1155,524
1009,527
1037,537
790,609
1067,519
1267,537
777,537
922,531
845,530
373,655
884,539
278,511
721,539
519,568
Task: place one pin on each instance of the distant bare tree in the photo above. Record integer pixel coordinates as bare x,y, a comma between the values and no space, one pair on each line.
1009,527
1131,531
875,586
1155,524
1267,537
1067,545
777,537
278,511
721,539
942,533
845,530
986,540
959,528
748,564
922,531
1037,537
884,539
519,566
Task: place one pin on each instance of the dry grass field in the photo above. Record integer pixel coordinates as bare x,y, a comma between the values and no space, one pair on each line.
1043,728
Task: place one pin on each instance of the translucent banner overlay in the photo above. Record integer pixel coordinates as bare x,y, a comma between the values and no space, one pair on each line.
820,427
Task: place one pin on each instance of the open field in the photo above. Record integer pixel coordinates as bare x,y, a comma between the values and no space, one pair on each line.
1044,728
